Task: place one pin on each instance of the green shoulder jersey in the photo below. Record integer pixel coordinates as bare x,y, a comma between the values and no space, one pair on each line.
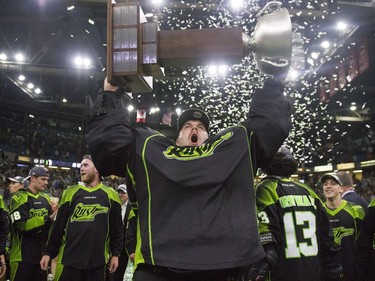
4,226
88,227
366,246
292,216
346,222
29,214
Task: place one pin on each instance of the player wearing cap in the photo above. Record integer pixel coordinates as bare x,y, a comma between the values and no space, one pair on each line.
194,198
16,183
87,233
31,213
345,218
294,228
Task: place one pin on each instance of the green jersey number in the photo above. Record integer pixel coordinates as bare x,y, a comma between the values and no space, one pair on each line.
306,221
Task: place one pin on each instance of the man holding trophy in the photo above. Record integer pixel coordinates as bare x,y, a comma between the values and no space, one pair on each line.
194,197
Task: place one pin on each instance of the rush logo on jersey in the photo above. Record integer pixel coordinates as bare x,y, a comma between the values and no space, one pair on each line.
87,212
191,153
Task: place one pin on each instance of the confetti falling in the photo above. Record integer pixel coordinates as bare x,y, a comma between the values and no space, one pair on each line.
226,98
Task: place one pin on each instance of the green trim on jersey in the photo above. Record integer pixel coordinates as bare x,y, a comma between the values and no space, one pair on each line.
149,196
355,211
2,204
88,220
267,195
29,225
138,258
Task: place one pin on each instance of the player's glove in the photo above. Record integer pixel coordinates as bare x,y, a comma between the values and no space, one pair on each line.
106,102
260,269
332,272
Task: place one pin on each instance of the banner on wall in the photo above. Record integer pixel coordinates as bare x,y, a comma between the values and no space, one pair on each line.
363,58
333,85
352,65
341,76
141,116
322,92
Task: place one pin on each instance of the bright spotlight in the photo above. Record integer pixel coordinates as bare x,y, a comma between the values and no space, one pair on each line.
86,62
30,85
3,56
223,69
314,55
325,44
19,57
21,77
341,25
78,61
237,4
212,69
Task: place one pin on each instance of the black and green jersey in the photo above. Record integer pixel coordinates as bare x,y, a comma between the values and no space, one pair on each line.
195,205
292,216
188,214
346,222
4,226
88,227
366,244
29,214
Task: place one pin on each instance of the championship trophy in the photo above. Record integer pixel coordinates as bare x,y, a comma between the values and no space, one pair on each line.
137,50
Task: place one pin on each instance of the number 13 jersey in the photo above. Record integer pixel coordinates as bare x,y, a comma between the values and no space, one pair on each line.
292,216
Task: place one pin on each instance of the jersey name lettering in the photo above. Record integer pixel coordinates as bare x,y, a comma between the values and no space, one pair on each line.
191,153
87,212
297,200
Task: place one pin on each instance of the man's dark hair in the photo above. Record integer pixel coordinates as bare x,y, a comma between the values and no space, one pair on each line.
281,165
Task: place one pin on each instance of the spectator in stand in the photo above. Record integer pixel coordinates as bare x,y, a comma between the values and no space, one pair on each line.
346,218
348,192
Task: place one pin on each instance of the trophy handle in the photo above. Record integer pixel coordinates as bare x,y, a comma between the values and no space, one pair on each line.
270,7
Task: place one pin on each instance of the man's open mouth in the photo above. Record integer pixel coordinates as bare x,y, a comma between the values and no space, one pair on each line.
194,138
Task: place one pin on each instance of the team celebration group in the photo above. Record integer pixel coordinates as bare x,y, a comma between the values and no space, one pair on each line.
189,210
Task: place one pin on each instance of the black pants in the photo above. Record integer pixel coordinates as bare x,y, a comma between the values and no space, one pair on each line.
67,273
23,271
146,272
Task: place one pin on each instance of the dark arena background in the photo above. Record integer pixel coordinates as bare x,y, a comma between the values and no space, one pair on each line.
53,54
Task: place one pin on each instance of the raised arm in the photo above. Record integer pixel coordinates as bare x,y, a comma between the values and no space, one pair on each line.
109,136
269,120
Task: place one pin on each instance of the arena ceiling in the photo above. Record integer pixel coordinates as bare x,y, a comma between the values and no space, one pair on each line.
51,34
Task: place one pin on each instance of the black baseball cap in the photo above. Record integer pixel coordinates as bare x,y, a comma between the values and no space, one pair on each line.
38,171
331,176
17,179
193,114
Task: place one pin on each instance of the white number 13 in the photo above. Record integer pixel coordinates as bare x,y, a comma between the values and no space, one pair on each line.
294,248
